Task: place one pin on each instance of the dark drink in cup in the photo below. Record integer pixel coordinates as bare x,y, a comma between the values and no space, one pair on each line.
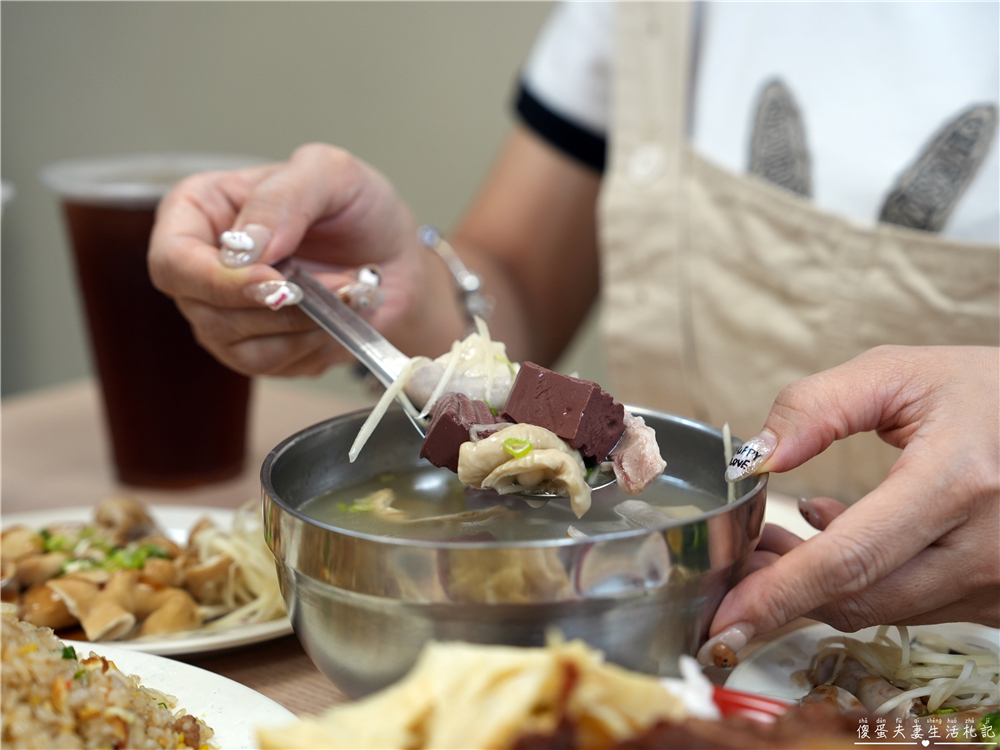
177,417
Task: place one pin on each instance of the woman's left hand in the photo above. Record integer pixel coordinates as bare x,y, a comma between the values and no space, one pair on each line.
923,546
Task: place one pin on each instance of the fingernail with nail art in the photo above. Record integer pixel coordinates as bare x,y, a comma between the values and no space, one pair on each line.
809,513
370,275
360,297
276,293
243,247
363,295
721,650
750,456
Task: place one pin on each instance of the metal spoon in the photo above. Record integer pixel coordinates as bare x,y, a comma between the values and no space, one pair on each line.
375,352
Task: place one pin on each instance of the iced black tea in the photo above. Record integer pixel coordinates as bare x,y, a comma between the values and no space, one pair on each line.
177,416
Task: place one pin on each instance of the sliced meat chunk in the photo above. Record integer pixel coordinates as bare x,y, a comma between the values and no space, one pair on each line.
636,459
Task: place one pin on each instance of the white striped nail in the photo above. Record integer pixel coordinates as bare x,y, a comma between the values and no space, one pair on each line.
275,294
243,247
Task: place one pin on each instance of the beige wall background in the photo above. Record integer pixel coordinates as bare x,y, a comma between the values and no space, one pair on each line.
422,90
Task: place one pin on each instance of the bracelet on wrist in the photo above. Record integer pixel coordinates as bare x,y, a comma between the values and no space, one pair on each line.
469,284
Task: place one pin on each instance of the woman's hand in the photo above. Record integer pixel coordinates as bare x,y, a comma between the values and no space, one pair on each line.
322,205
922,547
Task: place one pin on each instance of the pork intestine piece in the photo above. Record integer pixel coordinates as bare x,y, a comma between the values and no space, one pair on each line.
550,466
478,459
543,470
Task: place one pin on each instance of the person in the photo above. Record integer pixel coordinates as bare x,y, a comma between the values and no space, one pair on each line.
724,286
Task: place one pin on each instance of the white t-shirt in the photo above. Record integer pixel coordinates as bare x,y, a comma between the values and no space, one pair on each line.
874,82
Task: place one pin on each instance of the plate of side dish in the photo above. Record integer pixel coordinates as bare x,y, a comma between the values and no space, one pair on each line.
778,669
223,704
176,523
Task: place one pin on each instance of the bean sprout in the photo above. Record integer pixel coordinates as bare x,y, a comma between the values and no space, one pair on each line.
251,593
949,673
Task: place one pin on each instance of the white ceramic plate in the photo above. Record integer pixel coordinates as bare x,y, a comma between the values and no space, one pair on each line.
775,670
233,710
176,522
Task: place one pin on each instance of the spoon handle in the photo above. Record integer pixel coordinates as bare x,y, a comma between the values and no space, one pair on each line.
353,332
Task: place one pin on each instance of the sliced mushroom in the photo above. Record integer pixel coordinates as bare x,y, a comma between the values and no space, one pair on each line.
176,613
167,544
200,526
107,620
121,588
10,584
43,607
76,592
207,580
125,518
160,572
97,576
104,613
38,568
20,541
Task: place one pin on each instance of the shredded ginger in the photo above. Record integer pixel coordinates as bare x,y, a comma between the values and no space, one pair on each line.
948,673
252,593
476,357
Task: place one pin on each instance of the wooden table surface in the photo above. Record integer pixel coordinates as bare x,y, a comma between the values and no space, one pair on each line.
55,454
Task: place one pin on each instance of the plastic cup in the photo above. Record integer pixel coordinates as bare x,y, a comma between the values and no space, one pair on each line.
176,416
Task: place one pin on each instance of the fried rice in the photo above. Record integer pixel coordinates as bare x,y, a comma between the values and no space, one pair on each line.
51,698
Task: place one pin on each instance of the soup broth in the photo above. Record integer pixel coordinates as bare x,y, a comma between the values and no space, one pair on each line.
431,504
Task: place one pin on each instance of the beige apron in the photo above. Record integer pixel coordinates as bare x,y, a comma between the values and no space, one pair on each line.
720,289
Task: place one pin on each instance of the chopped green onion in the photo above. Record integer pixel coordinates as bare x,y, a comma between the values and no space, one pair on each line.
57,543
517,447
79,673
359,506
493,410
68,652
135,558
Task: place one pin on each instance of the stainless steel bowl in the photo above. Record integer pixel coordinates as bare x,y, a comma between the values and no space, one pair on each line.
363,605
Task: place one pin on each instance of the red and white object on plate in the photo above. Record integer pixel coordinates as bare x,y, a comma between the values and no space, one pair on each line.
757,707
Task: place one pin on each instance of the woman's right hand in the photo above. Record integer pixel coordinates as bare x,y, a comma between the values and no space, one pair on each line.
322,205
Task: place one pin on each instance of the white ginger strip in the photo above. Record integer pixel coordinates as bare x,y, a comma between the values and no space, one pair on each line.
391,393
727,452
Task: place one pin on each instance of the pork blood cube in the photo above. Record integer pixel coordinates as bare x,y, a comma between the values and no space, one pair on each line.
451,418
576,410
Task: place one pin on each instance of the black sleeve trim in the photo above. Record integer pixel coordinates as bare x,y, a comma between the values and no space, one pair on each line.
572,139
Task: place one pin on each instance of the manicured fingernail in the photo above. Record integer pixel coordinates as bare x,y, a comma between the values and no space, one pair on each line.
370,275
363,295
275,294
812,516
360,297
721,650
243,247
750,456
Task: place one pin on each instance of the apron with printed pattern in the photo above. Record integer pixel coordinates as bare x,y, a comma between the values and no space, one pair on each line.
719,289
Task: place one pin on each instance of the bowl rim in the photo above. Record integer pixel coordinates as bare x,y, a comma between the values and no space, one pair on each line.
269,494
